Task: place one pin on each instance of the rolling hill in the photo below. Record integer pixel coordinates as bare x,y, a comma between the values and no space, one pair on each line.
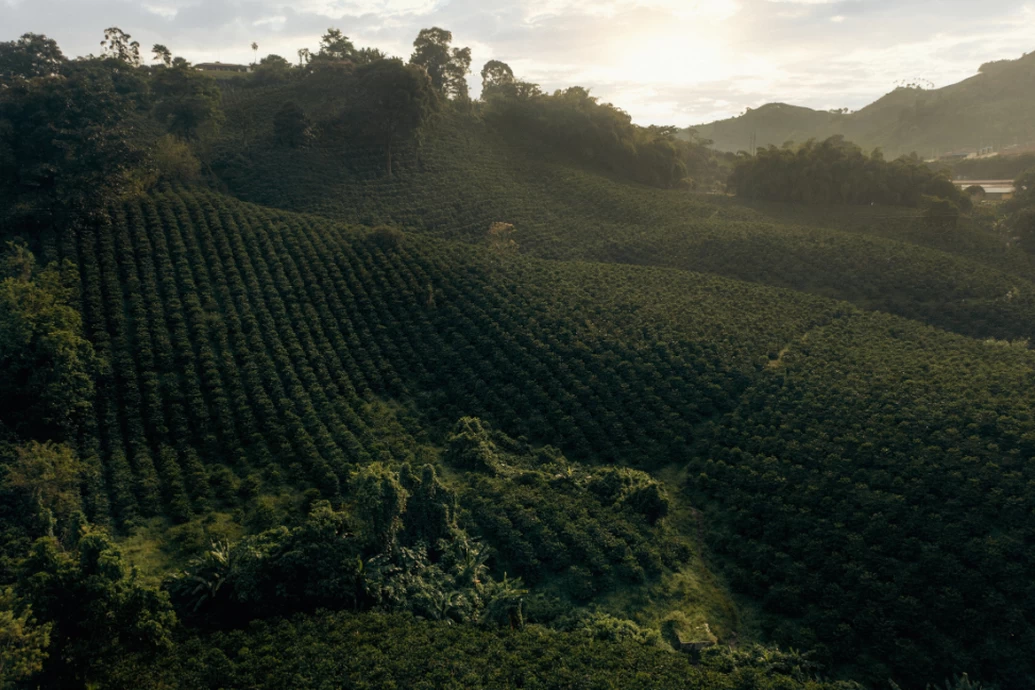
467,177
501,416
990,108
280,351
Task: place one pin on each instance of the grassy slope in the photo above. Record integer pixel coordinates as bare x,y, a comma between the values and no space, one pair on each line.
994,105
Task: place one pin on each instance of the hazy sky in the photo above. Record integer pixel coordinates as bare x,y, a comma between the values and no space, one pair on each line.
664,61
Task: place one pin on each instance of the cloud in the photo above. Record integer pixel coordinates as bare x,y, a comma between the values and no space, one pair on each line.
664,61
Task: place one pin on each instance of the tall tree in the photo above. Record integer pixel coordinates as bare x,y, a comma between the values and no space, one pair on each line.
365,56
65,145
395,102
32,55
457,69
121,46
381,501
162,54
291,126
49,474
334,45
448,67
272,69
186,99
495,76
100,613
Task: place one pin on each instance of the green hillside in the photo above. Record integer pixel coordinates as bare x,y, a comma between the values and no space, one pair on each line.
992,106
292,351
263,337
467,177
332,377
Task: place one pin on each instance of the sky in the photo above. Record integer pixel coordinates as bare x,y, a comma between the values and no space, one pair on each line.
677,62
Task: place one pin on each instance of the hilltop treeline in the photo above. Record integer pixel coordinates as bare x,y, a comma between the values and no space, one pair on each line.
576,123
835,171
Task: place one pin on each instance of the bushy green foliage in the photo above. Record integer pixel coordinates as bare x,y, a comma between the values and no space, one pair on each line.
398,651
448,67
186,100
873,492
66,144
547,517
32,55
99,613
376,555
291,126
597,133
23,644
838,172
174,162
49,474
46,365
394,103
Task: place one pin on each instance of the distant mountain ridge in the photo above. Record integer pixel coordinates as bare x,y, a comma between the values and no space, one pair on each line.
992,108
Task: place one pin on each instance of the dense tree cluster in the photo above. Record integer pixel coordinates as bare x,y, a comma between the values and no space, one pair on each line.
838,172
66,145
46,363
77,135
546,516
448,67
575,123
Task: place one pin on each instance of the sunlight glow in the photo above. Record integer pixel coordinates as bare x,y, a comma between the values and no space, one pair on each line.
682,55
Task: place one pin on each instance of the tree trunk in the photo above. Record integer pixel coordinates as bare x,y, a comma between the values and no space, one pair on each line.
388,159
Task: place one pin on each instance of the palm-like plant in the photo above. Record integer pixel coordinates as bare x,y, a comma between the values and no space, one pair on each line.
503,602
206,576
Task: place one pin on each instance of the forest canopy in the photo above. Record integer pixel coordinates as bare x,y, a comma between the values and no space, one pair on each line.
835,171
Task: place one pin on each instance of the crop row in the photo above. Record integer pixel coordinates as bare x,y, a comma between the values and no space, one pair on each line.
255,340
